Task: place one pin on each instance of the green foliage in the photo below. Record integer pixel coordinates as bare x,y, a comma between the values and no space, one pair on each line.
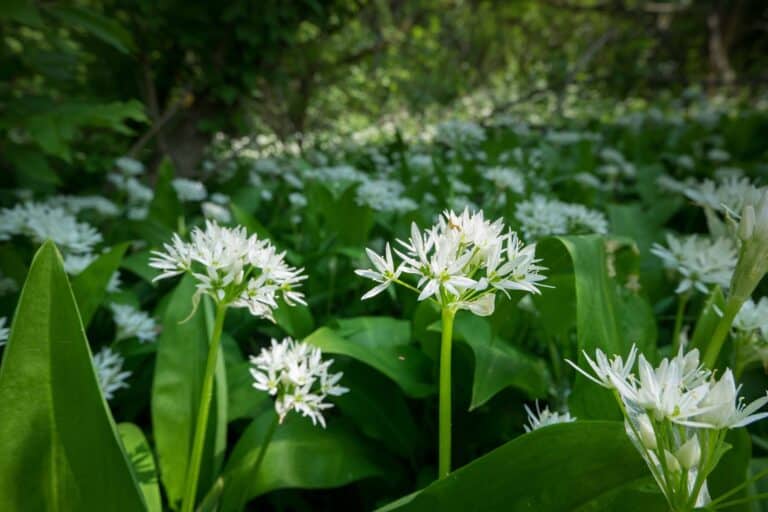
90,286
60,447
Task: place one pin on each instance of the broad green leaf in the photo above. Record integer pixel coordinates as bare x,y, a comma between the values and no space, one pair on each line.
58,443
250,222
602,313
498,364
244,401
138,263
143,462
300,455
732,470
570,466
90,286
296,320
182,350
165,208
383,343
378,408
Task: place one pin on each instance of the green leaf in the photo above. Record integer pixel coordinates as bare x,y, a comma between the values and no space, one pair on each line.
182,349
732,470
571,466
88,20
497,363
708,319
300,455
296,320
165,208
244,400
602,313
143,462
58,443
384,344
138,263
376,405
90,286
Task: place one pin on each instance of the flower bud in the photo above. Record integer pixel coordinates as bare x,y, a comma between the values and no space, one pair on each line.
747,223
672,463
689,454
645,430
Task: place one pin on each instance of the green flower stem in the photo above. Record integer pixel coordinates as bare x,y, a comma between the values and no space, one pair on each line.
444,441
682,302
712,352
193,471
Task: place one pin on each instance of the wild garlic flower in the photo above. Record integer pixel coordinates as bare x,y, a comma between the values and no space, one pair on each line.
189,190
4,331
42,222
76,263
545,417
506,178
77,204
233,268
109,369
750,333
727,196
540,217
133,323
677,415
216,212
699,261
129,166
385,195
297,376
457,134
460,263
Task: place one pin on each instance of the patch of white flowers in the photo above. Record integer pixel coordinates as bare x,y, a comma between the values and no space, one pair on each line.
699,261
544,417
506,178
723,198
677,415
385,196
540,217
750,333
133,323
233,268
40,222
457,134
109,369
189,190
297,376
460,263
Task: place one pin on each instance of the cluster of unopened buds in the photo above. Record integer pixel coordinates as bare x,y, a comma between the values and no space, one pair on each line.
677,415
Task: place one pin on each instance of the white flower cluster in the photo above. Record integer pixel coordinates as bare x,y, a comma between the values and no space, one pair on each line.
506,178
677,415
699,261
540,217
41,222
109,369
753,318
458,134
133,323
77,204
385,196
295,373
4,331
189,190
233,268
337,178
727,196
138,196
460,262
615,165
545,417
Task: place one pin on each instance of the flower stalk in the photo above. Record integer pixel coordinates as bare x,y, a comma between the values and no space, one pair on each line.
193,471
444,429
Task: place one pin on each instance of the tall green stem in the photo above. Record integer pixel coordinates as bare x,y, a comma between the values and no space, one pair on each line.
444,431
193,471
712,352
682,301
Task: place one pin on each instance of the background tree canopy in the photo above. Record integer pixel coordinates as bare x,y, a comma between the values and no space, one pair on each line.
85,81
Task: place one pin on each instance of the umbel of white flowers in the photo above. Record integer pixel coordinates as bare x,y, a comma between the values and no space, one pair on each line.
676,415
544,417
297,376
460,263
233,268
699,261
109,369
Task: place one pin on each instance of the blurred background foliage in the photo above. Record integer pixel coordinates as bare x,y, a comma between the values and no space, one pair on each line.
83,81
